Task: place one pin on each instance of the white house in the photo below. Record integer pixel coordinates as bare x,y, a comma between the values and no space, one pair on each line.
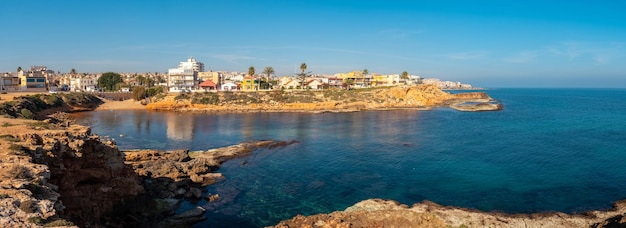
84,84
314,84
229,86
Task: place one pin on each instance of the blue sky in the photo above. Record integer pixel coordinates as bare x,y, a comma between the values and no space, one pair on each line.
485,43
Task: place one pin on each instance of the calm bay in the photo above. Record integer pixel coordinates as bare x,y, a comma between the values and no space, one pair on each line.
548,150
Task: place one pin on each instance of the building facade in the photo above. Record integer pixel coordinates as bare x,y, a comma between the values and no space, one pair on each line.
185,77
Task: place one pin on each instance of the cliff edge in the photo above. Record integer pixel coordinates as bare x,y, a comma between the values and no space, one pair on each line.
330,100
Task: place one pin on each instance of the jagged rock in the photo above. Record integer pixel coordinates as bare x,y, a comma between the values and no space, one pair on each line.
65,172
383,213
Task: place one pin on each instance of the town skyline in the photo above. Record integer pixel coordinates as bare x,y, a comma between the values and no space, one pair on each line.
490,44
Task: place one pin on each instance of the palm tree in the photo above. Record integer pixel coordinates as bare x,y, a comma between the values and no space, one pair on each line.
267,71
19,68
405,76
251,72
302,75
366,81
73,71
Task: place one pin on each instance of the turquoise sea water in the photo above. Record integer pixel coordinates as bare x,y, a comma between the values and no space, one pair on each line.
548,150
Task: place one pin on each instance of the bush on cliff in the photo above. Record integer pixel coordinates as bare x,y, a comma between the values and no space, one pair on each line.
59,223
205,98
17,172
139,93
29,106
28,206
27,113
36,220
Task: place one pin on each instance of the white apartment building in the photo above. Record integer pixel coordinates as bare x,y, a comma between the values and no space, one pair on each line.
182,79
192,64
83,84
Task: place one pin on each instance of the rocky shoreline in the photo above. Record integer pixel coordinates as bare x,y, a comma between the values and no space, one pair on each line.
387,213
422,97
56,173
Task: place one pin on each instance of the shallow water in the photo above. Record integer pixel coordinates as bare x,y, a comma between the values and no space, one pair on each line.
548,150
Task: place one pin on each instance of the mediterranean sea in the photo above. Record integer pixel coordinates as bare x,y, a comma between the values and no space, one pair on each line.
548,150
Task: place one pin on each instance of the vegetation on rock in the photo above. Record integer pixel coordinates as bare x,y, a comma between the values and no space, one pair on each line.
35,106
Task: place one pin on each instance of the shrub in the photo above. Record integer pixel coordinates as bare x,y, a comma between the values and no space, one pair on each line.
181,96
9,138
36,220
139,93
27,113
19,172
15,146
3,196
53,100
60,222
28,206
40,124
154,91
5,124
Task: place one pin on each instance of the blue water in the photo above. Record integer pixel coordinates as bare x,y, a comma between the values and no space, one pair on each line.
548,150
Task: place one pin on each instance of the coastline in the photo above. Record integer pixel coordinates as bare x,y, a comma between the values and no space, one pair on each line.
24,130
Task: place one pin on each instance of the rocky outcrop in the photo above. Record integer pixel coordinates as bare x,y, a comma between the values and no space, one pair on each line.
333,100
172,175
39,106
52,173
382,213
180,173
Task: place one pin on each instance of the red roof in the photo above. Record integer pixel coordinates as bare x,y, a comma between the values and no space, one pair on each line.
207,83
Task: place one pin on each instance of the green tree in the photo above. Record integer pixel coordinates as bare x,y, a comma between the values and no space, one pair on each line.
349,82
268,71
302,75
139,93
109,80
405,76
19,68
365,72
73,71
251,72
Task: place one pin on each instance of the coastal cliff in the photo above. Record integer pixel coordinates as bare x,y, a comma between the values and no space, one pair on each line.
331,100
54,173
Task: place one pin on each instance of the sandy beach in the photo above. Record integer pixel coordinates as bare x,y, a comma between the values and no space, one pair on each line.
121,105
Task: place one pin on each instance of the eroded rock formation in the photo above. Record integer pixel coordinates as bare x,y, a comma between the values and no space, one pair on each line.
384,213
62,173
416,97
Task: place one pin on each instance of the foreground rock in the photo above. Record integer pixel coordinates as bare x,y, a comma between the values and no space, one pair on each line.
331,100
53,173
382,213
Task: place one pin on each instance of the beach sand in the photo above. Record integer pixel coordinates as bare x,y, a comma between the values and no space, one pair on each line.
121,105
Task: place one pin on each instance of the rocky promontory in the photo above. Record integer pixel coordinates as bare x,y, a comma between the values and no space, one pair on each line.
330,100
386,213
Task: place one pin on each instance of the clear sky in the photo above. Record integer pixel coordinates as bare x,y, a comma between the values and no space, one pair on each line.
485,43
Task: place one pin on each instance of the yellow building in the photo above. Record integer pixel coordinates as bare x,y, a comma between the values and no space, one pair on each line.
32,82
357,77
249,84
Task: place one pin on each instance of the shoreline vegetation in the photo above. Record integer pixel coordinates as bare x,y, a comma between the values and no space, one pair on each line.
51,167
